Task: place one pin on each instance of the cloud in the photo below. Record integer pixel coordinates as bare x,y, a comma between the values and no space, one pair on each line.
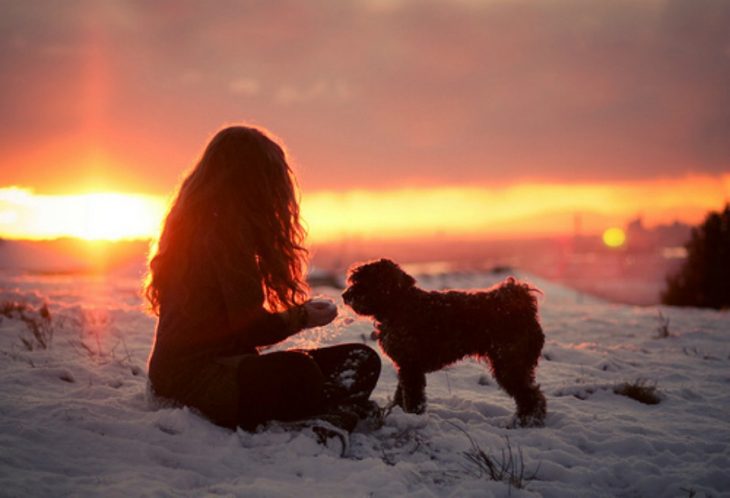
318,90
375,93
244,86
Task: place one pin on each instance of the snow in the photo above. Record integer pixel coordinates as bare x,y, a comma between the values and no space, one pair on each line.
76,420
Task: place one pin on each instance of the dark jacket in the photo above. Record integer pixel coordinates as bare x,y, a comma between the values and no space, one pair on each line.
198,339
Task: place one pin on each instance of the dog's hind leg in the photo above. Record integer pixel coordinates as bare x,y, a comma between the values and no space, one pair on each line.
411,390
513,364
531,406
518,380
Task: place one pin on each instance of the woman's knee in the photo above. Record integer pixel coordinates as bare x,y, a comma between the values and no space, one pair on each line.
304,370
285,370
366,362
368,359
282,386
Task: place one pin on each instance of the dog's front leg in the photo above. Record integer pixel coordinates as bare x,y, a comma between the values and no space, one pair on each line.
398,396
412,387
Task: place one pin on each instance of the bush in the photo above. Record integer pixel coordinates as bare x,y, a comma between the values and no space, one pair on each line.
640,391
508,467
38,322
704,279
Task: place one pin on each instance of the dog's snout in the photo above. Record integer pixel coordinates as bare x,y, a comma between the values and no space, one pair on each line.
347,295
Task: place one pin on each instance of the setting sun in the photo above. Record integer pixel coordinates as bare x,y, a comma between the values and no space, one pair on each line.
94,216
614,237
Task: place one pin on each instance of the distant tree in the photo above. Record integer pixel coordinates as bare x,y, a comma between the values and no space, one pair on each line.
704,279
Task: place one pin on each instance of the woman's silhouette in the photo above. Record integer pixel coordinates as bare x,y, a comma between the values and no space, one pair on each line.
227,277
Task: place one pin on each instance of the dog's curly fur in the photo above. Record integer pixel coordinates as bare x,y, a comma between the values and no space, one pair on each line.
425,331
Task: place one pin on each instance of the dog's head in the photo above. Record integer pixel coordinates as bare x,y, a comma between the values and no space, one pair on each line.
373,286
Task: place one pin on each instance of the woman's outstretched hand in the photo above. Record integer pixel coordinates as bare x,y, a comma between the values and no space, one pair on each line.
319,312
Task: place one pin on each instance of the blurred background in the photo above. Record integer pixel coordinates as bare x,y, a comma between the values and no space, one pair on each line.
578,140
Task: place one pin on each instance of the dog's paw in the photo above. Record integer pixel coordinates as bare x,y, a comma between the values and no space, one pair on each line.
527,422
415,408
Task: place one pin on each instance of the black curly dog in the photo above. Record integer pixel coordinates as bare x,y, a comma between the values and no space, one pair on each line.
424,331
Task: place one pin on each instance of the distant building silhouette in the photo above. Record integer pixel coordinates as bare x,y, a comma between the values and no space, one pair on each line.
657,239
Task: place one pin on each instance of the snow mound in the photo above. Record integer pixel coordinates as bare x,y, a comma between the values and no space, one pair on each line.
76,420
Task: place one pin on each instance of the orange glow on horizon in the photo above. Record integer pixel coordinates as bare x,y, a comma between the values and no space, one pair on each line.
93,216
522,210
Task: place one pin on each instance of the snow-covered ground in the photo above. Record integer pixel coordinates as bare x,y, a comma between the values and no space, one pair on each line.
75,419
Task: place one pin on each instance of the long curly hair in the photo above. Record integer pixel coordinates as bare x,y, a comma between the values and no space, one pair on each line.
240,201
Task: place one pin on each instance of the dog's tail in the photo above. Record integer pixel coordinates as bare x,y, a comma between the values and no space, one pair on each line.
520,295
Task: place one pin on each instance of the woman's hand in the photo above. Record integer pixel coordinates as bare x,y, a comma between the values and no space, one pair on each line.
319,312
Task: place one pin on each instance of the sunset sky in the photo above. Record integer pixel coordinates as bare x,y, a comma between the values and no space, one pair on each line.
468,117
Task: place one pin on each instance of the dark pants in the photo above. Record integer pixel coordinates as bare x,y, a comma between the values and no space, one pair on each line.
294,385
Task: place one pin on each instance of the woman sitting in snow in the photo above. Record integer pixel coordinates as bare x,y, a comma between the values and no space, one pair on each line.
226,278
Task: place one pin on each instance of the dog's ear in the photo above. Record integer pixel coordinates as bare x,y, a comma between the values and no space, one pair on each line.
354,270
406,280
402,279
387,265
357,268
